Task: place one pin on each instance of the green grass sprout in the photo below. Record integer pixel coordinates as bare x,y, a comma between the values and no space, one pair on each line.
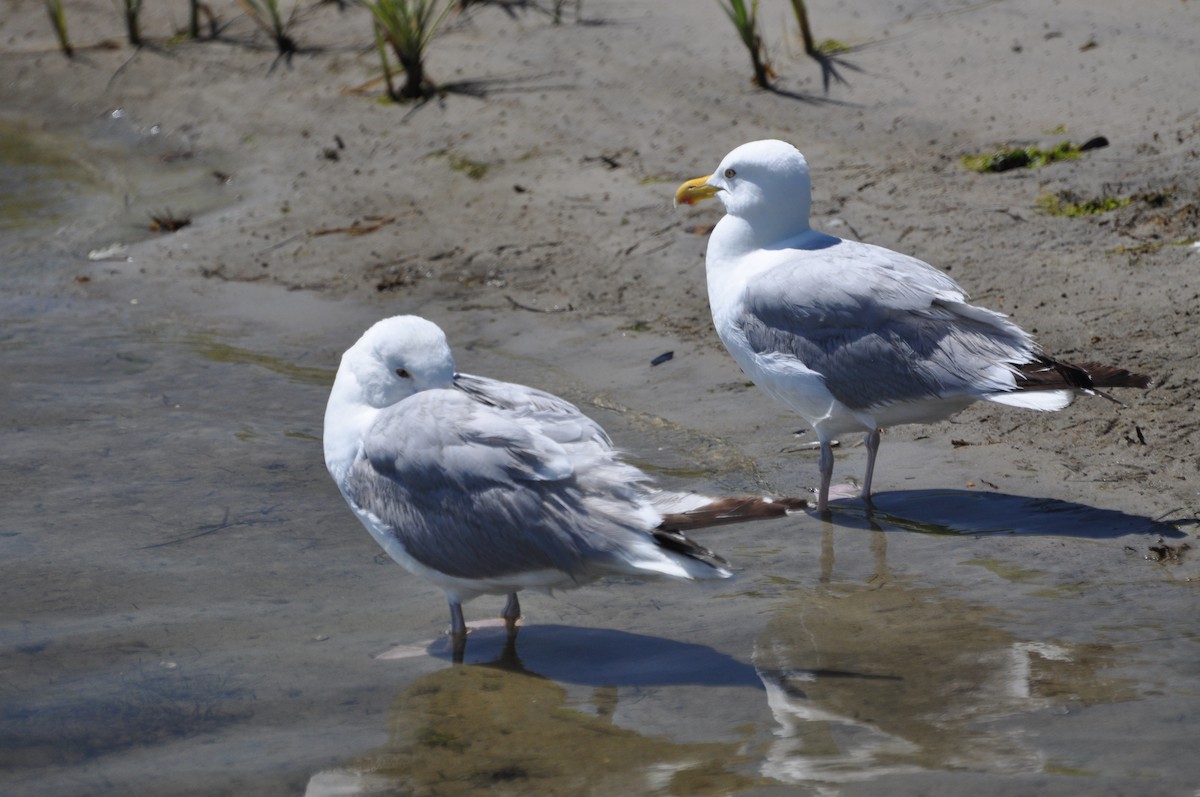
195,9
824,52
556,10
745,20
408,26
267,15
133,10
58,18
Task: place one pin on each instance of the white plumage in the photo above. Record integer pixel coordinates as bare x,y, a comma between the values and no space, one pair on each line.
488,487
855,337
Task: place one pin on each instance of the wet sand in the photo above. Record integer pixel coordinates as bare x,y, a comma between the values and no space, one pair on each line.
190,608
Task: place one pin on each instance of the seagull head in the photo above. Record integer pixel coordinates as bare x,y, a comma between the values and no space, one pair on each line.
396,358
765,183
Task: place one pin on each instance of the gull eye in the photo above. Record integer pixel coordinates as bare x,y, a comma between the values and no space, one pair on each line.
730,174
403,374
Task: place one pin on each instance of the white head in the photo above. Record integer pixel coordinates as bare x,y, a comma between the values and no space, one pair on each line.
397,357
764,183
394,359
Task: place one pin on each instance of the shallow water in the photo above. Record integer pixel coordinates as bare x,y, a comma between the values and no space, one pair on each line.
190,609
73,194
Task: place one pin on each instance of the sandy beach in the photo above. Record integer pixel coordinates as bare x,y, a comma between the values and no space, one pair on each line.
191,609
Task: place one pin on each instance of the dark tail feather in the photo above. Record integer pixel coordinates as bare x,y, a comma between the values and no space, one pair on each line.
674,540
731,510
1112,376
1048,374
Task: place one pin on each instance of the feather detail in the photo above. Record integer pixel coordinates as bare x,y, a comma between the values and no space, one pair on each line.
1048,374
739,509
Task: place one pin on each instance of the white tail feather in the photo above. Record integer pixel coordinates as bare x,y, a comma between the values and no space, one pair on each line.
1042,400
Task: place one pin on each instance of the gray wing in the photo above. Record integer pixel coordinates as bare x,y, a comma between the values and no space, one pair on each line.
476,491
880,327
552,411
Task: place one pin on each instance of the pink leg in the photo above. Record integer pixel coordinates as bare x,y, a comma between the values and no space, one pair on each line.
825,465
458,630
511,614
872,441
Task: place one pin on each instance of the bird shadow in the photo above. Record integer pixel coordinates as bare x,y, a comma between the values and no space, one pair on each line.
600,657
809,98
969,512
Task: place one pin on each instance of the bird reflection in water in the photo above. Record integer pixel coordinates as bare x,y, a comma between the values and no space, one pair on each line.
883,676
499,729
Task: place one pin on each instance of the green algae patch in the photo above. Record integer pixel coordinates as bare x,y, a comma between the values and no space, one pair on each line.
1070,204
458,162
473,169
1008,571
224,353
1031,157
37,170
1150,247
1067,204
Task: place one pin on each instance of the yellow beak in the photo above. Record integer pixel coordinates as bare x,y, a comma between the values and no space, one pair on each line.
694,191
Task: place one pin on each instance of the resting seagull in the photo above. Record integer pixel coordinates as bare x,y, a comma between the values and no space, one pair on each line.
487,487
856,337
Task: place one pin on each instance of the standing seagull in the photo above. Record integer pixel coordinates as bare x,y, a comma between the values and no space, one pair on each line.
856,337
487,487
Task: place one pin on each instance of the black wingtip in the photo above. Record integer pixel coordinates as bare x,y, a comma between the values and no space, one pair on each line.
1050,374
674,540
